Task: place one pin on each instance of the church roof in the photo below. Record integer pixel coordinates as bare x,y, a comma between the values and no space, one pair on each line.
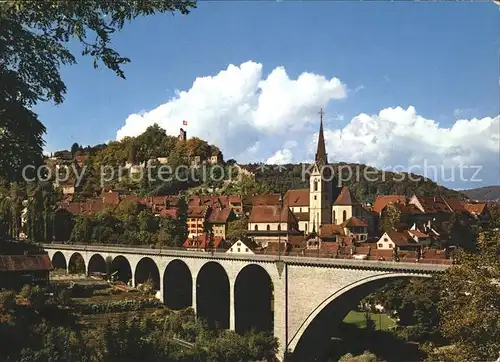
271,213
345,197
299,197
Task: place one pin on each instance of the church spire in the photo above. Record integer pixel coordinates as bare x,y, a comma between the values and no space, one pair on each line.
321,152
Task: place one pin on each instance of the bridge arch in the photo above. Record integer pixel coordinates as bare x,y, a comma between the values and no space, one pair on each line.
121,269
76,264
59,261
177,285
97,264
253,300
147,270
314,335
212,295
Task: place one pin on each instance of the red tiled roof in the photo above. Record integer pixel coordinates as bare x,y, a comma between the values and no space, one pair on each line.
234,200
197,211
365,250
418,233
433,204
401,238
219,216
202,242
455,205
475,209
383,201
11,263
329,230
302,216
298,197
405,208
345,197
169,213
296,240
271,214
111,198
262,200
354,222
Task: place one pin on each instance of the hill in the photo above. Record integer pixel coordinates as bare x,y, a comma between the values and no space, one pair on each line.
488,193
365,181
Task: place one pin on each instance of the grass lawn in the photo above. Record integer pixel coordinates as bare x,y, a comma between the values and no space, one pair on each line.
382,321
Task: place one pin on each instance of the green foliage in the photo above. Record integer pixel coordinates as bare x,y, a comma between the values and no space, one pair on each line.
237,229
7,301
37,297
470,305
367,356
119,306
369,323
391,219
461,231
34,41
366,189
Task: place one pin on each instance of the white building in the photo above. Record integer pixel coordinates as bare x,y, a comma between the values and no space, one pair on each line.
240,247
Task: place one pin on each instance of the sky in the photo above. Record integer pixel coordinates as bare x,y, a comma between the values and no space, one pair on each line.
404,85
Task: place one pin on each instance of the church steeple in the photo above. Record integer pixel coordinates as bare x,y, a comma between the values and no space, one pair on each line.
321,157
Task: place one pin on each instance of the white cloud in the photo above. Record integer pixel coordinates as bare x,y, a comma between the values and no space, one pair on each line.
253,117
239,106
280,157
398,136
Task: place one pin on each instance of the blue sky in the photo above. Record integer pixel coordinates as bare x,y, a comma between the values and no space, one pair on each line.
440,58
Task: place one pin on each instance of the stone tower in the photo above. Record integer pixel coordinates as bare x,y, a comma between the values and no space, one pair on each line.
320,186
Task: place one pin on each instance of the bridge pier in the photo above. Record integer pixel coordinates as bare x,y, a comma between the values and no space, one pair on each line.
232,318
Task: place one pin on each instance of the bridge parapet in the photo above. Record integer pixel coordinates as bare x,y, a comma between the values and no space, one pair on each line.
415,267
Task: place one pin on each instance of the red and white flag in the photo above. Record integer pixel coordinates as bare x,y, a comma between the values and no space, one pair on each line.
184,123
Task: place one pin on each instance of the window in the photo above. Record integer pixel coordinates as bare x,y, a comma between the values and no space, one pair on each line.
279,227
238,244
268,228
391,246
300,209
333,217
315,197
256,227
380,245
306,226
238,250
315,185
385,239
246,249
344,215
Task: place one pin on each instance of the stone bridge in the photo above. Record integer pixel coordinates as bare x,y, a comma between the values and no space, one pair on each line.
299,299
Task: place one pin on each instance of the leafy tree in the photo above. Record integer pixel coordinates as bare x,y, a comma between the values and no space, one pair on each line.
470,305
7,301
74,148
33,42
461,231
367,356
237,229
391,219
37,298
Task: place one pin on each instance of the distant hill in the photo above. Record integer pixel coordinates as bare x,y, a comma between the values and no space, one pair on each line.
488,193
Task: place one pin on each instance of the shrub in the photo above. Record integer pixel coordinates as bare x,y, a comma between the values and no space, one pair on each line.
7,301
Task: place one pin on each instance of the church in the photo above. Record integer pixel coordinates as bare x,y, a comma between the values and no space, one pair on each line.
313,210
325,202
